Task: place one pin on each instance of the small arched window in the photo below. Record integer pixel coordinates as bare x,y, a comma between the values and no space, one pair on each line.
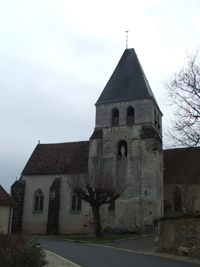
111,205
155,121
177,199
76,202
115,117
130,115
122,149
38,200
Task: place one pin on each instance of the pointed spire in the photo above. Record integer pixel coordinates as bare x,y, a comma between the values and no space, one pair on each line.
128,81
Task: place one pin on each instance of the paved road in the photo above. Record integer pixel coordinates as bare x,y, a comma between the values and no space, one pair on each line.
142,244
90,255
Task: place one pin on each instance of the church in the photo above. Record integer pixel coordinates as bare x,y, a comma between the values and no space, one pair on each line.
127,140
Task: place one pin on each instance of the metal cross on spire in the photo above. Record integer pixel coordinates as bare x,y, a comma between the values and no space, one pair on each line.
126,39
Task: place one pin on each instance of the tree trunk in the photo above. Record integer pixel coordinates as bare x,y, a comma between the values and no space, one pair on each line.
97,221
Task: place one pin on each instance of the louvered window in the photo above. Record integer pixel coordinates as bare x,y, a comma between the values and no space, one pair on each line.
130,115
115,117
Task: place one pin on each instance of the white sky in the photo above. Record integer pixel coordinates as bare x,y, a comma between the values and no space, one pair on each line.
56,56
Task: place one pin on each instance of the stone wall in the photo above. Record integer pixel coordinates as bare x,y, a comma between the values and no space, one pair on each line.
35,222
54,208
178,235
56,216
17,193
72,221
6,216
144,113
189,194
141,166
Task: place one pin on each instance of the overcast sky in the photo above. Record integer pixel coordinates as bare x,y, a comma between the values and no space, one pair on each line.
56,56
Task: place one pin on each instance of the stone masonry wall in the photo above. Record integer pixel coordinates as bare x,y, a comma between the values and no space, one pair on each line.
143,113
54,208
142,166
179,236
17,193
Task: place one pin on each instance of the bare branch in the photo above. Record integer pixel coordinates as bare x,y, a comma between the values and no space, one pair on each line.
183,92
97,188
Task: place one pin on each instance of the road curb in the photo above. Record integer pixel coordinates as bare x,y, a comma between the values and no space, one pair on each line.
57,258
162,255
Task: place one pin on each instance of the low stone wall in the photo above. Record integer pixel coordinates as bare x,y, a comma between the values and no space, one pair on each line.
178,235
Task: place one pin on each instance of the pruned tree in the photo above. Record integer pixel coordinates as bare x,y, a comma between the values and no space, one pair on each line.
97,188
183,92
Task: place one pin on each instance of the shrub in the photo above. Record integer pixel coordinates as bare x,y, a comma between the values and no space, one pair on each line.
20,251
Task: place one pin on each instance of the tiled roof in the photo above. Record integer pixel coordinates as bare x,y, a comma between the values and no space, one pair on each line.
97,134
128,81
58,158
182,165
5,198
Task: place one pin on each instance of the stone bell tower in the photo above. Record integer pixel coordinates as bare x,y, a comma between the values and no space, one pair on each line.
127,140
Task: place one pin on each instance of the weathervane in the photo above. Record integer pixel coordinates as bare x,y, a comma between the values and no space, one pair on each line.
126,39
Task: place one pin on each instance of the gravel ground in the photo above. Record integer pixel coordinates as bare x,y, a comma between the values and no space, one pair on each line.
58,261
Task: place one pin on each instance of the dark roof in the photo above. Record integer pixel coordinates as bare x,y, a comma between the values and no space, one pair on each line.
97,134
58,158
182,165
5,198
128,81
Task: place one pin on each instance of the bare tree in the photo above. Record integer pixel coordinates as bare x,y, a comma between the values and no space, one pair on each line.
183,92
97,189
190,196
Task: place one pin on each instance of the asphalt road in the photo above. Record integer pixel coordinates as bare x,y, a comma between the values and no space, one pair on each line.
90,255
141,244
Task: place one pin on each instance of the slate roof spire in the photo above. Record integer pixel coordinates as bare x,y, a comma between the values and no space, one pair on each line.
128,81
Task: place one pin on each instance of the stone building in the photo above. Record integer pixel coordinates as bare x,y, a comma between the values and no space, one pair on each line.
6,211
127,140
181,179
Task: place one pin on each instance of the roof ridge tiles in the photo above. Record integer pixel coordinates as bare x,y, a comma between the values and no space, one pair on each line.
123,101
83,141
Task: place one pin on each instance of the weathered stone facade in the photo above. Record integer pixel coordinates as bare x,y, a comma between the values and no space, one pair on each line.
178,235
54,207
142,165
17,192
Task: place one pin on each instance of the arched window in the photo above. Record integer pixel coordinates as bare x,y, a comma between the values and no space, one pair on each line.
115,117
111,205
130,115
38,200
158,119
155,121
177,199
122,149
76,202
